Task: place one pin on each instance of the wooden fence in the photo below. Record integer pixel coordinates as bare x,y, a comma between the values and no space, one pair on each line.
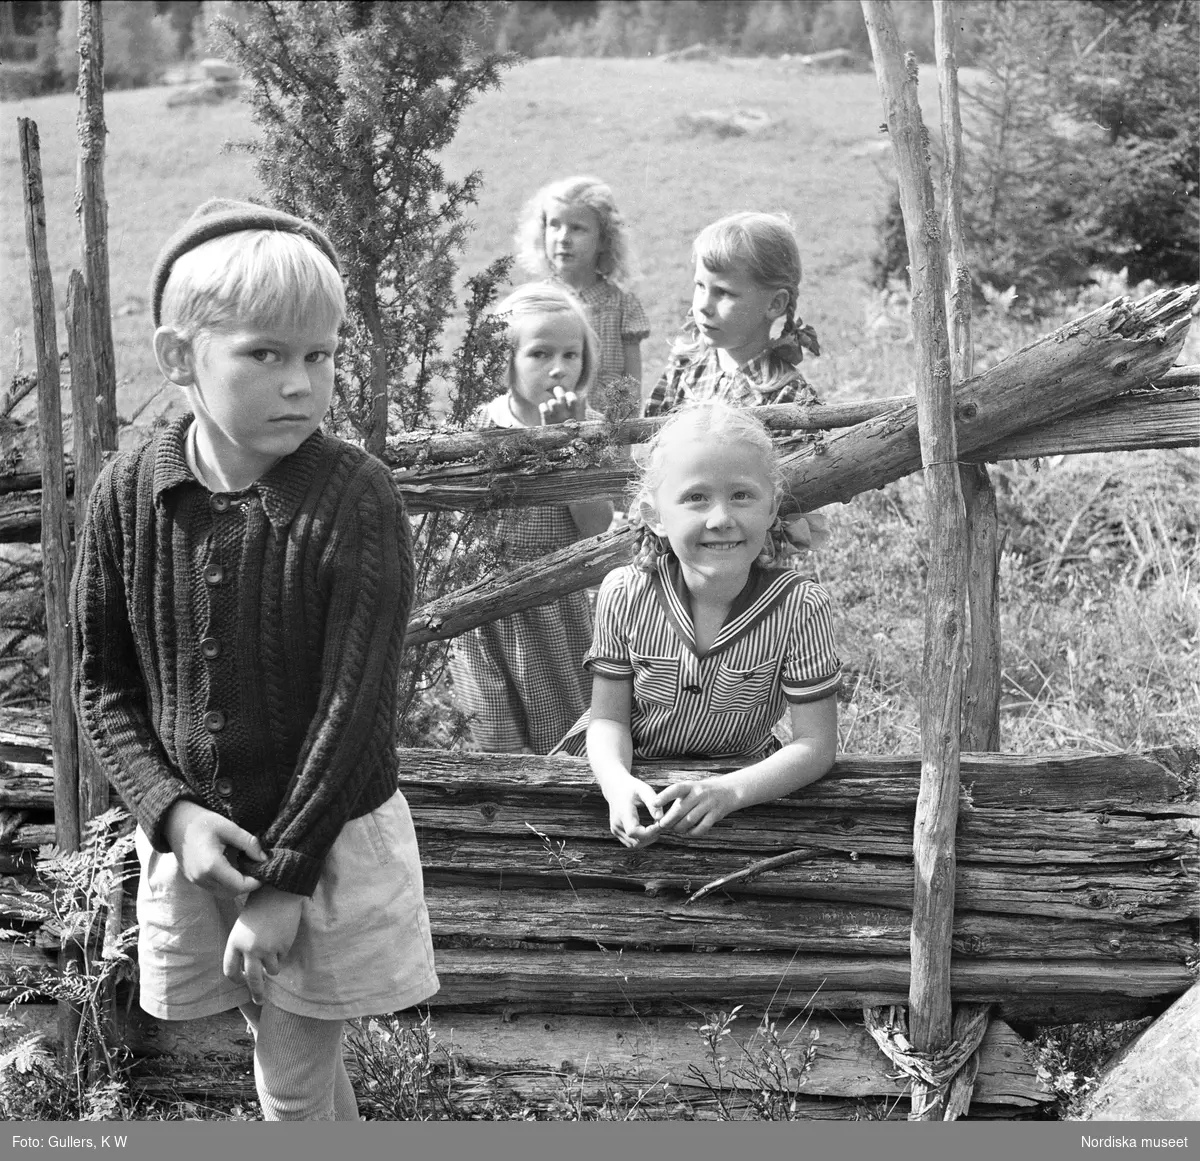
570,965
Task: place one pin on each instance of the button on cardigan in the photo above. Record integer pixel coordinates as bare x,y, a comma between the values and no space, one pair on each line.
243,650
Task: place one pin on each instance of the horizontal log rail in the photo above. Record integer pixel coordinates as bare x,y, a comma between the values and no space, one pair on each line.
539,1056
1155,782
1084,868
505,447
1166,415
1093,360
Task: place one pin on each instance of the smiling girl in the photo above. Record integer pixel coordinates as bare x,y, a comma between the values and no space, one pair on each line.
521,678
746,283
701,643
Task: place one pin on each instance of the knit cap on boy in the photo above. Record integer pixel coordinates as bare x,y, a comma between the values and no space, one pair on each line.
219,216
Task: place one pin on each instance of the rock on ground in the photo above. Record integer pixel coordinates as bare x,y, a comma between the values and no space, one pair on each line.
1157,1078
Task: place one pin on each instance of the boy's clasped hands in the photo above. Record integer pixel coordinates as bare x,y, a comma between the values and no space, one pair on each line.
263,933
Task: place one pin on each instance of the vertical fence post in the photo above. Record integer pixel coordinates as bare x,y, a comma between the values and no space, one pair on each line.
930,1012
91,207
55,537
89,458
981,690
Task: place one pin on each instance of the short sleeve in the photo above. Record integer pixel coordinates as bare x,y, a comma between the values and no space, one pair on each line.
812,668
609,651
635,326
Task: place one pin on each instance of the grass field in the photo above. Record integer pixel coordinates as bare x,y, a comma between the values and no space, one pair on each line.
553,117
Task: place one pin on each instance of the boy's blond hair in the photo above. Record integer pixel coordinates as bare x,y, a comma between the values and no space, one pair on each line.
254,277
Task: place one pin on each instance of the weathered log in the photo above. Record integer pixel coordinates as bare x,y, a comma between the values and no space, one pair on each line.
542,1054
1164,414
87,371
1129,895
1003,838
614,919
1159,419
1167,419
91,208
1106,353
519,905
598,982
601,982
56,532
981,684
1133,870
930,1012
1159,782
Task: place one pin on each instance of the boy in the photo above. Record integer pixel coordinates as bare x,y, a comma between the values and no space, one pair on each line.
240,596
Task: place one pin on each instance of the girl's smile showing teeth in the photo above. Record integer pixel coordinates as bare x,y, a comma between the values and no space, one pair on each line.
715,505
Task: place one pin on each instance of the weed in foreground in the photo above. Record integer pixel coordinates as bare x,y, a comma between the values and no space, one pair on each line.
1071,1058
80,909
760,1078
405,1074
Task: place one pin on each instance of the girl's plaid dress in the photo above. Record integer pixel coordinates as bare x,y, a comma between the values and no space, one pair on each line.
521,678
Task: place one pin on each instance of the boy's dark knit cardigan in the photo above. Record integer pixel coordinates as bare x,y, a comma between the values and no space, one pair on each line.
243,650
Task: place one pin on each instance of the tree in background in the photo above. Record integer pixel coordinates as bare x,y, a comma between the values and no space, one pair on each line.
139,44
1137,80
1082,146
354,101
638,28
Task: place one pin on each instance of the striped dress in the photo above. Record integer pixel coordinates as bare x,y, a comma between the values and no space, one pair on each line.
775,648
520,679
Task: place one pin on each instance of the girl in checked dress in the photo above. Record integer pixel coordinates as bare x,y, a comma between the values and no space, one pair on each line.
521,678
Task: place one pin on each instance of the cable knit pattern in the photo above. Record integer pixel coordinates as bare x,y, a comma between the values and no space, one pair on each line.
243,650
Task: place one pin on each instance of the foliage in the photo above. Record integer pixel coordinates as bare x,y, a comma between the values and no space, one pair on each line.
76,910
139,44
635,28
1140,84
1082,149
1072,1057
355,101
404,1074
38,74
766,1071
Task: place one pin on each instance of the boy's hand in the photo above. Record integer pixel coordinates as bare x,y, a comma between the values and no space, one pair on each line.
261,937
198,838
565,405
695,807
623,818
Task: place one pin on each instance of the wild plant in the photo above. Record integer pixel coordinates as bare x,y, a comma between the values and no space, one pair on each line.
405,1073
80,909
760,1078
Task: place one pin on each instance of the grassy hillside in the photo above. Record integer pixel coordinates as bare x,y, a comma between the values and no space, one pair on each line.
553,117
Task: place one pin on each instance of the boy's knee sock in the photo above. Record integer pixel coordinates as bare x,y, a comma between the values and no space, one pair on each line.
298,1068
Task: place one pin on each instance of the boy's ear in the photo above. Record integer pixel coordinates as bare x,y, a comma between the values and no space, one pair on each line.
174,355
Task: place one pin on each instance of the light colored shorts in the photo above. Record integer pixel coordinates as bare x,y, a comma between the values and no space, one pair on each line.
363,947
